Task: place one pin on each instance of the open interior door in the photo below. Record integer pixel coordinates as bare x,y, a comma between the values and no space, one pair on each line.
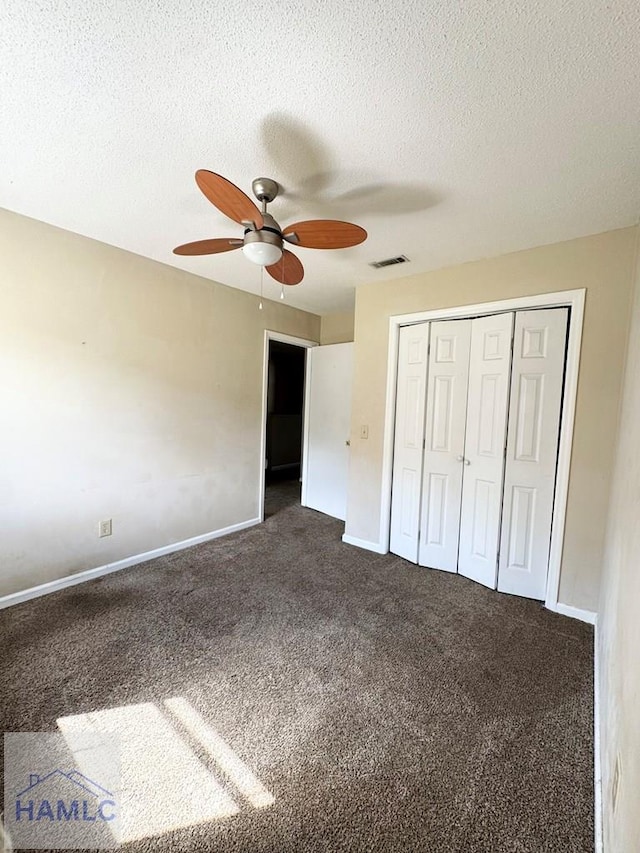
328,426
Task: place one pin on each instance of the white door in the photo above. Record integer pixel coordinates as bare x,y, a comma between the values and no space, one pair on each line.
444,444
328,419
489,371
408,442
532,450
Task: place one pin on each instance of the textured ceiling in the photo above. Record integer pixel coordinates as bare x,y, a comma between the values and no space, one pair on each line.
450,131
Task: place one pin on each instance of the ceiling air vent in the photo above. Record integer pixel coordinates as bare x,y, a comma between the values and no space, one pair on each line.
390,262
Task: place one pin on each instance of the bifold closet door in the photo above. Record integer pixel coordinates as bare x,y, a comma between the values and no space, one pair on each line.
408,444
532,450
444,444
489,372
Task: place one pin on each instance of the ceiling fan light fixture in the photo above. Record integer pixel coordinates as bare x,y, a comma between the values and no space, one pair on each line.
263,246
264,254
262,243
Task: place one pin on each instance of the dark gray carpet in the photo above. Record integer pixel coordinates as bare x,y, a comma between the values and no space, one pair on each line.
384,706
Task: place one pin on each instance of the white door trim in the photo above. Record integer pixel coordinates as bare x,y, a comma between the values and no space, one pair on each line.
574,299
298,342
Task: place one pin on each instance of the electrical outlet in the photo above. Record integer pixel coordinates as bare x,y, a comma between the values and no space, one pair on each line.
104,528
364,431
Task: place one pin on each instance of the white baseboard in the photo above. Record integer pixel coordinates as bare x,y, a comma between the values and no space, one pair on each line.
364,543
597,753
91,574
575,613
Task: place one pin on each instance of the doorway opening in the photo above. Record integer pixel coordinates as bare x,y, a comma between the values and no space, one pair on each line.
283,438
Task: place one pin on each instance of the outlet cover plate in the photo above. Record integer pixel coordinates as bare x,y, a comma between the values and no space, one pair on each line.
105,528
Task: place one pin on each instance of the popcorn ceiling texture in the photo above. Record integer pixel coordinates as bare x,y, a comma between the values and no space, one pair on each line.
450,131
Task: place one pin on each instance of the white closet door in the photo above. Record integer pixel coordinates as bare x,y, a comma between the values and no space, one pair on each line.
444,444
409,437
532,450
489,371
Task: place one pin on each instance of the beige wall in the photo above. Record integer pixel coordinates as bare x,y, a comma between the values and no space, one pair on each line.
130,390
603,264
337,328
618,623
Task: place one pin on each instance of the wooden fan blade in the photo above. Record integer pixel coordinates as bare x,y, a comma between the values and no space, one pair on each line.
288,270
228,198
208,247
324,234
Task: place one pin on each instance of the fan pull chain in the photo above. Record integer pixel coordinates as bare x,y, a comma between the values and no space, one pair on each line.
282,291
261,287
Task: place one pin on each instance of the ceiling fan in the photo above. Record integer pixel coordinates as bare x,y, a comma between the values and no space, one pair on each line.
263,237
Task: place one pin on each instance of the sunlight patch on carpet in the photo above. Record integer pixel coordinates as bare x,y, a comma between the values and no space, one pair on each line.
164,784
226,759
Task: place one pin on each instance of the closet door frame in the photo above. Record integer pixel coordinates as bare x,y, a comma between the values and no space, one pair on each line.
572,299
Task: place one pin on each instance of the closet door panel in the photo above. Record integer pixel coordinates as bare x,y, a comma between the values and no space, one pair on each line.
444,444
486,425
408,444
532,450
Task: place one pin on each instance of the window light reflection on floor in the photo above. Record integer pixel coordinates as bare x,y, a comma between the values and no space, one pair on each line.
164,785
226,759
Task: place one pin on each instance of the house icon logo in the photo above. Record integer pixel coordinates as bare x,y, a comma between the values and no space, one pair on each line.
64,796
